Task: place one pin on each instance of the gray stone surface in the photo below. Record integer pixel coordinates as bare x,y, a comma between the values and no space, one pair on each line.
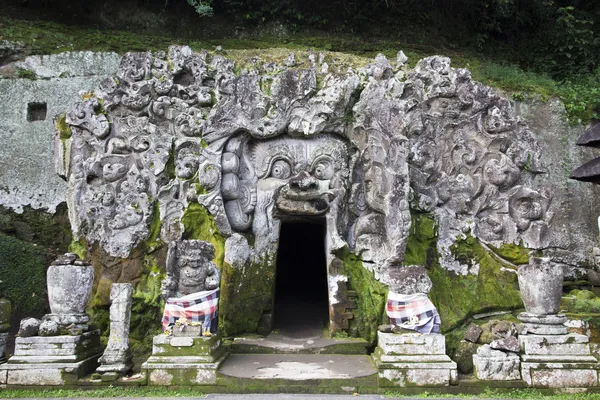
555,345
26,157
297,366
117,356
413,360
71,64
495,365
510,344
29,327
573,223
473,333
279,342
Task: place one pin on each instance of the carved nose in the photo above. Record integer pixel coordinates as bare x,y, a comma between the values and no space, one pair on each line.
303,181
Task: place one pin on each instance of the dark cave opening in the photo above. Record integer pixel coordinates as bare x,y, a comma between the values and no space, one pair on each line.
301,293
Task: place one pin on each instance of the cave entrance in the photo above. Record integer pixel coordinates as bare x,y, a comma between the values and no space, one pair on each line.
301,293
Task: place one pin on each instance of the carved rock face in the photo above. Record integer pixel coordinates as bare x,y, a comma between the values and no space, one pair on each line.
306,172
190,269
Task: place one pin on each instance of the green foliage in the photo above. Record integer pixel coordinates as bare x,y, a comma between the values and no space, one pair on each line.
26,74
202,8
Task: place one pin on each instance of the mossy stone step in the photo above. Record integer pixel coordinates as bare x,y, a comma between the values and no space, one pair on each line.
320,373
278,343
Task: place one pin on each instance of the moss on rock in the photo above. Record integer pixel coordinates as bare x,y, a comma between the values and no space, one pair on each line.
371,298
458,297
199,224
147,306
23,276
515,253
246,294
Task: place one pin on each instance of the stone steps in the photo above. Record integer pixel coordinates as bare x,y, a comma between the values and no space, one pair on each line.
301,373
277,343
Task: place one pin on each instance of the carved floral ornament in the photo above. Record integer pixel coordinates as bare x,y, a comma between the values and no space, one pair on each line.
360,147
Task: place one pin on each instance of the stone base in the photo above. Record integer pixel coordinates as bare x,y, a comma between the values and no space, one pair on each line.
558,361
52,360
46,373
184,360
496,365
413,360
560,372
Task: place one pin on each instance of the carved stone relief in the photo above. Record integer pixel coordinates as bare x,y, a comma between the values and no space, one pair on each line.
360,149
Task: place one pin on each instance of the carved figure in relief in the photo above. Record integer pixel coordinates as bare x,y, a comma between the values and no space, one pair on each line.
191,286
190,269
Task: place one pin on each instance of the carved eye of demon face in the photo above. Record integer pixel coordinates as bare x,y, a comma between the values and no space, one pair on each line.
323,168
281,169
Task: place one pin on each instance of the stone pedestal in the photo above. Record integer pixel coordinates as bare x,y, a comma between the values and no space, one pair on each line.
558,361
184,360
413,360
52,360
496,365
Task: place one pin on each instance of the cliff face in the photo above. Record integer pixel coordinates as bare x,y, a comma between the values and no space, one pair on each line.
405,166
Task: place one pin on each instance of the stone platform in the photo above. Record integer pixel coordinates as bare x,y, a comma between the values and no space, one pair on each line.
184,360
555,361
281,343
413,360
51,360
298,373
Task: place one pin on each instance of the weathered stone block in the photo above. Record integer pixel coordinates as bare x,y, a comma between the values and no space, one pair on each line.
391,343
46,373
413,360
571,344
495,365
416,377
551,372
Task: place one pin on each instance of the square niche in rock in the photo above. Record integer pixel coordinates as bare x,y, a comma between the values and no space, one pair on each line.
36,111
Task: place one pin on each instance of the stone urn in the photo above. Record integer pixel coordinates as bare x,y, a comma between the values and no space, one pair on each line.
69,285
540,284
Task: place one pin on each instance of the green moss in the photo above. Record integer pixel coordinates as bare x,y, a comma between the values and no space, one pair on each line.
199,224
79,247
458,297
246,294
23,276
581,301
146,308
516,254
170,167
63,128
371,298
153,241
421,245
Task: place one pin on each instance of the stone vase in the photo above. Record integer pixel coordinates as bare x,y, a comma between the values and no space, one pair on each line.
69,287
540,284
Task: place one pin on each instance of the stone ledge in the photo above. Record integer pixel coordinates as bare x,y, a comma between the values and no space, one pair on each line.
46,374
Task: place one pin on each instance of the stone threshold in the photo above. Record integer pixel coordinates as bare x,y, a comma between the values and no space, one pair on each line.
280,343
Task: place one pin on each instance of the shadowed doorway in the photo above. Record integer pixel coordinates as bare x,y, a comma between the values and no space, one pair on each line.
301,295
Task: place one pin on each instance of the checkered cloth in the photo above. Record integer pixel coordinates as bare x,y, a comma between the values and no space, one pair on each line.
413,311
196,307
